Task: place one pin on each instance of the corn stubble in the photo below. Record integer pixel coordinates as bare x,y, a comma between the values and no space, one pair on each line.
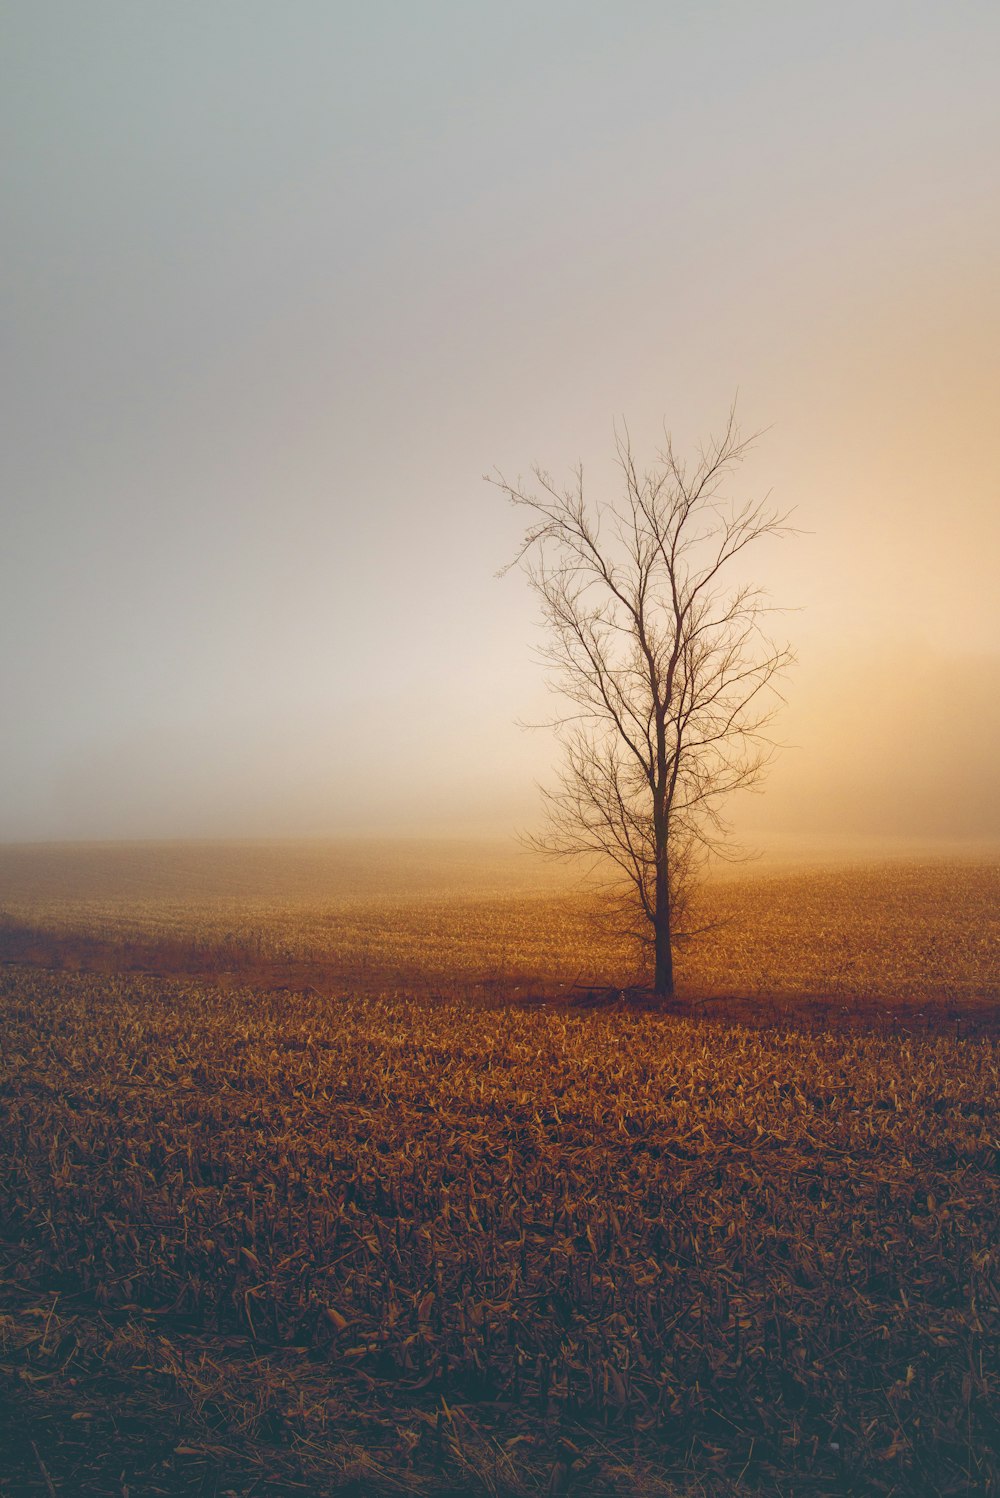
282,1243
904,937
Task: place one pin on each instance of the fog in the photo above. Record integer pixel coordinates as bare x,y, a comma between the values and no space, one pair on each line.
281,284
887,744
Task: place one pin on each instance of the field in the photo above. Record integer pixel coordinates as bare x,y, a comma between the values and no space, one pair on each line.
357,1189
916,937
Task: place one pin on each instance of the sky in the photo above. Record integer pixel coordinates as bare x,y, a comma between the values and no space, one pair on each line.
281,282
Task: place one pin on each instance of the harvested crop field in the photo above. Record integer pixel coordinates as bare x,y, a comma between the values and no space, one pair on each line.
374,1247
379,1236
914,937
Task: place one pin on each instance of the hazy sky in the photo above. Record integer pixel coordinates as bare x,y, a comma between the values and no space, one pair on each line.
281,282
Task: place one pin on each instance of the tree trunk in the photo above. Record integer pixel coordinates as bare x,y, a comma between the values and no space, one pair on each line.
663,979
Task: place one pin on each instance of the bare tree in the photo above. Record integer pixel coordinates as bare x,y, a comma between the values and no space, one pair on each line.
668,673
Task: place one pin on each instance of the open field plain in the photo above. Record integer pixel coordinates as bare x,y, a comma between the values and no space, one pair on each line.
906,935
351,1191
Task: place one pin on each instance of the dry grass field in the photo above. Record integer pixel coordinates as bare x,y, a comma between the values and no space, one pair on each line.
319,1175
480,920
